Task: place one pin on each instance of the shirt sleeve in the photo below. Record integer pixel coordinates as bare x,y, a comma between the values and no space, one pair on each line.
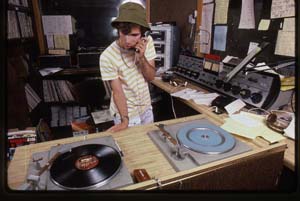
150,52
107,69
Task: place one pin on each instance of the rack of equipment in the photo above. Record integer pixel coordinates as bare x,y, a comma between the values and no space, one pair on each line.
166,43
256,89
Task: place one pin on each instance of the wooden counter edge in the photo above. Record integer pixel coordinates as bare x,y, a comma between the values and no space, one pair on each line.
194,172
20,151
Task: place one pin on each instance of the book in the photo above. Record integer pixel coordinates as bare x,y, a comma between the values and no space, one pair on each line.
57,51
17,138
12,25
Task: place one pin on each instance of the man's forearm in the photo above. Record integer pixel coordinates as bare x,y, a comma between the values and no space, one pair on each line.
120,101
147,68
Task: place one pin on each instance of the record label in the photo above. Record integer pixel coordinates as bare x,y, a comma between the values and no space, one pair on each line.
86,162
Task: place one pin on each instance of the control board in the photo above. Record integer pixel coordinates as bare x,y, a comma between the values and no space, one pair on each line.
257,89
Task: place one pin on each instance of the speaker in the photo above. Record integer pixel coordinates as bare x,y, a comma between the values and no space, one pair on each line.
46,61
88,59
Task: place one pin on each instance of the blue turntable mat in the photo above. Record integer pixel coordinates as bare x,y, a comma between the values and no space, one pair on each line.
205,138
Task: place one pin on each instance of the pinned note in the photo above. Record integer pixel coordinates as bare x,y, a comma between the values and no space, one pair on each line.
247,19
264,25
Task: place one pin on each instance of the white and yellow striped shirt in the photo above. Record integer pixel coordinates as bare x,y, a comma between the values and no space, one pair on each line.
135,87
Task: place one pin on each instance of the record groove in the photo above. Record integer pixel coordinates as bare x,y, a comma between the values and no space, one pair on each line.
85,167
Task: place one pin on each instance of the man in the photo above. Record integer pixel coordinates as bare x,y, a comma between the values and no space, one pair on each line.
128,65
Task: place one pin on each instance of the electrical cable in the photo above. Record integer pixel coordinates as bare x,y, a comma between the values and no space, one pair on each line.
173,109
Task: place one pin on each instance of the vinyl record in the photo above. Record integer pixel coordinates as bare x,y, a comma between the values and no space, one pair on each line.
205,138
84,167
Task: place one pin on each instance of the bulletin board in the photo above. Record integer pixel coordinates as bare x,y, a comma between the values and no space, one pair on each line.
238,40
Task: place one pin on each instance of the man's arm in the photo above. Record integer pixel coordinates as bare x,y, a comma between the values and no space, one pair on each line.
120,101
147,67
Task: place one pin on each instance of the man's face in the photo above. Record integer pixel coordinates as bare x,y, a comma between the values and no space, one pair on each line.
129,40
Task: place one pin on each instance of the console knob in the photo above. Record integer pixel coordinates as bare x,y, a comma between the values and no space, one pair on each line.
227,87
219,83
256,97
245,93
235,90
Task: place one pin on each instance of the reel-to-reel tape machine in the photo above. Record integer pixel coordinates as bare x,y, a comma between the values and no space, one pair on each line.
191,144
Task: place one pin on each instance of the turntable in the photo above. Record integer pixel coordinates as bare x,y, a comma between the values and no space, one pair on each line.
191,144
94,164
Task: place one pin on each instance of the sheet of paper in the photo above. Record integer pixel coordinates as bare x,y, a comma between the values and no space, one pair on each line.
234,106
252,45
264,25
220,35
290,130
205,99
50,41
48,71
247,19
101,116
58,24
185,93
263,131
221,11
206,27
282,8
61,42
263,67
285,44
228,58
289,24
245,120
259,129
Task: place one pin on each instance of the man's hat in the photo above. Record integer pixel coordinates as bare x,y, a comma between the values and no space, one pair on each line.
131,12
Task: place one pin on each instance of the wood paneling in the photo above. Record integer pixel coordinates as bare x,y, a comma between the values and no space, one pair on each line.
39,26
174,10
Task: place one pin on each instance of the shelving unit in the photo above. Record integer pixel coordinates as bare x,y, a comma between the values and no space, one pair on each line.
21,51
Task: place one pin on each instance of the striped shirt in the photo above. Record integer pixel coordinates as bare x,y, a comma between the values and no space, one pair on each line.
116,62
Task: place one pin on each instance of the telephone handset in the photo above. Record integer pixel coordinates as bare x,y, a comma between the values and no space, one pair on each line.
146,34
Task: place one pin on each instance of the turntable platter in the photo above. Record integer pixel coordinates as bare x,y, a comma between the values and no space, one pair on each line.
85,167
205,138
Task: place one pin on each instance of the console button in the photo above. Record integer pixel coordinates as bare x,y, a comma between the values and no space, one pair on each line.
245,93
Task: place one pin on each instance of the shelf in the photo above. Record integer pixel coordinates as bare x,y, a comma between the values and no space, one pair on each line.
19,8
20,41
95,71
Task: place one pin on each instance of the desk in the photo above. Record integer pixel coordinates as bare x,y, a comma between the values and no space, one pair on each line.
257,169
289,155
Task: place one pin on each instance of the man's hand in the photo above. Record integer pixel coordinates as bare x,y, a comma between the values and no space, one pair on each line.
118,127
141,47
